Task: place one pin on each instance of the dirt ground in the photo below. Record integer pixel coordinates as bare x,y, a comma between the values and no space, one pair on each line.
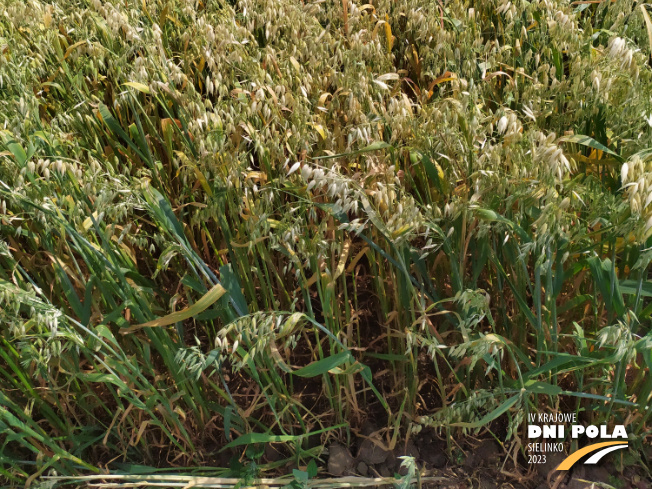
479,464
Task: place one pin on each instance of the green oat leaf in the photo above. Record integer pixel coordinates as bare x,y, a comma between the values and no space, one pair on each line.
589,142
375,146
201,305
115,127
324,365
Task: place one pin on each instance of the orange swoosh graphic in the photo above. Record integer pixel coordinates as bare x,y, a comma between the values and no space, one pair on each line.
574,457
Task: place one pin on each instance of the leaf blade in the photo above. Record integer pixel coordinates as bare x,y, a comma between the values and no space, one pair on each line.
201,305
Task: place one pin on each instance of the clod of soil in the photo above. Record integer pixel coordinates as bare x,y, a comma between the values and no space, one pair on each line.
487,483
588,477
552,462
485,454
372,454
369,428
433,453
340,460
385,471
362,469
488,451
272,454
436,460
576,483
410,449
392,462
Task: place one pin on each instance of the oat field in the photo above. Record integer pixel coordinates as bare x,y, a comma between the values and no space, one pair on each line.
295,240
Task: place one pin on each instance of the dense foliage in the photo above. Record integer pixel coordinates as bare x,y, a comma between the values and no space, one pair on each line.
240,221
